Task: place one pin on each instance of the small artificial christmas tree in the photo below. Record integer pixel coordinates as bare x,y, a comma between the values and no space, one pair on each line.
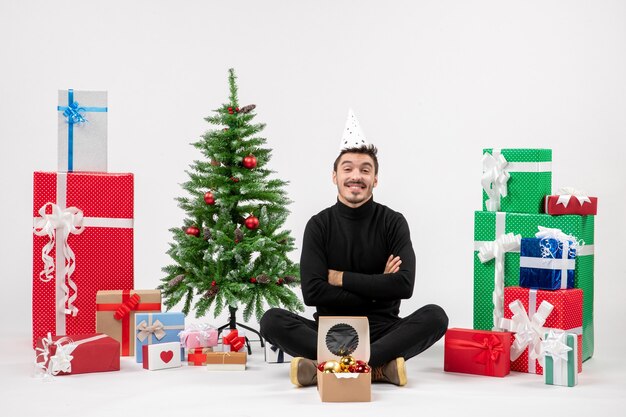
231,251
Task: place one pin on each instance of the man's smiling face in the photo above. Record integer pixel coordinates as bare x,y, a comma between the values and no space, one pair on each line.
355,178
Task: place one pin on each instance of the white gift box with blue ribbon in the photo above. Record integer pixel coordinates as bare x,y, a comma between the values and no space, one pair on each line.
82,131
548,261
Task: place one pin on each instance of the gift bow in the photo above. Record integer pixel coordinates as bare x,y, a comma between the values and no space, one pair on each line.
496,249
156,328
554,345
66,221
528,332
566,193
61,361
494,179
73,113
202,332
566,242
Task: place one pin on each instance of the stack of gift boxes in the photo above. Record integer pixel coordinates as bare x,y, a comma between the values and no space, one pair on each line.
533,273
85,311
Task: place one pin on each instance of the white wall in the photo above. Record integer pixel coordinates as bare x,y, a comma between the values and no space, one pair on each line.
432,82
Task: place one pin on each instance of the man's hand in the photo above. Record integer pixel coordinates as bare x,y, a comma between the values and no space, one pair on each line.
393,265
335,277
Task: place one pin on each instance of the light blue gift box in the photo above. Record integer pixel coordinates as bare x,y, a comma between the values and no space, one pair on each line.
154,328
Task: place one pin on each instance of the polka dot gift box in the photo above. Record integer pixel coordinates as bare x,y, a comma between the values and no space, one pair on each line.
82,243
531,313
516,180
490,226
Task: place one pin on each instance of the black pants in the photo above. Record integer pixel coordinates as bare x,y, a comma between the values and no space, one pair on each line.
405,337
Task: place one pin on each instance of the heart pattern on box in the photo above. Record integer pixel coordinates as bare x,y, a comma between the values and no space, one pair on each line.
167,356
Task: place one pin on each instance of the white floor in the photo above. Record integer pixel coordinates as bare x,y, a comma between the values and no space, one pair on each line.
264,390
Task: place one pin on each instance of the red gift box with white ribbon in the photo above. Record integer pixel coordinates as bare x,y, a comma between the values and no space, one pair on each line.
570,201
82,243
531,313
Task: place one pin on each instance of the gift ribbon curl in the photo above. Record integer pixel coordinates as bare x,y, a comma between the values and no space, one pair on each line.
65,221
145,330
61,361
496,250
494,179
554,345
73,113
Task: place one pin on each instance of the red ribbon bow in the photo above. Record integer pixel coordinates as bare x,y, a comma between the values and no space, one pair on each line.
125,308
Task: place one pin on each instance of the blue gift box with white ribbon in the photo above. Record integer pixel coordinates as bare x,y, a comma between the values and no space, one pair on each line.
547,264
82,133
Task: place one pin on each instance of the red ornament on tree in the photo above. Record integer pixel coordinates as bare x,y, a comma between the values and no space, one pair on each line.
230,110
234,179
237,109
193,231
253,280
209,198
280,281
252,222
249,161
213,284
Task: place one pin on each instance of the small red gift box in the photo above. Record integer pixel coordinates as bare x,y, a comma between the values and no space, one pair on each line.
78,354
478,352
525,310
573,203
197,356
233,342
82,243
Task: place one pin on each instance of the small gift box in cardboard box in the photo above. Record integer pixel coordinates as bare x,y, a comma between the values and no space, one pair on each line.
226,361
274,354
116,310
82,130
548,261
516,180
530,313
161,356
153,328
490,233
198,335
560,352
77,354
479,352
82,243
571,201
340,337
197,356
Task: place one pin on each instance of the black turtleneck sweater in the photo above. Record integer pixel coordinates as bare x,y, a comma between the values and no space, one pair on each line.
358,242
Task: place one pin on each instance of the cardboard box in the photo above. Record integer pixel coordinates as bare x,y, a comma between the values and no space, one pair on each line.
161,356
488,226
226,361
479,352
82,134
517,179
116,310
77,354
343,387
96,211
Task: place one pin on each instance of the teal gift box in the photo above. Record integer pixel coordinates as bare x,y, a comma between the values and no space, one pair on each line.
154,328
516,180
490,225
560,365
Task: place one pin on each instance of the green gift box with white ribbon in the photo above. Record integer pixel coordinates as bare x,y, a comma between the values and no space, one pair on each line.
560,366
497,235
516,180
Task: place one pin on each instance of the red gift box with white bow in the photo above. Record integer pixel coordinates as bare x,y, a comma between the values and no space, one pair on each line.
82,243
571,201
531,313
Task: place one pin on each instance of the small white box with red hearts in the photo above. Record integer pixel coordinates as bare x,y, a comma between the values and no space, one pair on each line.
161,356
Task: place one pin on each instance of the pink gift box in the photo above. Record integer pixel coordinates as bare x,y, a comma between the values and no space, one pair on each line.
198,336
